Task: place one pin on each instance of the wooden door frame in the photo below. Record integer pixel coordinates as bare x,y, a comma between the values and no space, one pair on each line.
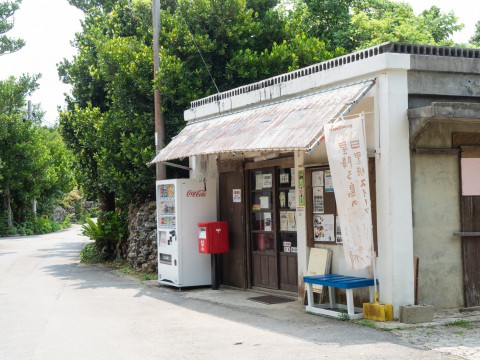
459,140
274,164
237,166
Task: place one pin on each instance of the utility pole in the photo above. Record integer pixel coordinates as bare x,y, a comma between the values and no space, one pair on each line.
29,118
159,121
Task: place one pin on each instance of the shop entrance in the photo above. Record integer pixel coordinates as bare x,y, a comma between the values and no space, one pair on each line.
272,228
232,210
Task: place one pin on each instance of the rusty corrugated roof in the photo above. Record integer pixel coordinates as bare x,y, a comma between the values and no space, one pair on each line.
293,124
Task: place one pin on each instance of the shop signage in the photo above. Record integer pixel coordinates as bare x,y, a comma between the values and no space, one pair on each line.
347,157
196,193
301,190
237,195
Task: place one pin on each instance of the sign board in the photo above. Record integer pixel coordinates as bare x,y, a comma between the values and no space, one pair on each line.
347,157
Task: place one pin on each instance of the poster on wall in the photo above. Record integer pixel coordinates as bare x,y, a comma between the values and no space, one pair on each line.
267,181
318,203
267,221
259,182
328,181
324,227
317,178
284,178
338,231
301,189
237,195
283,221
291,223
291,199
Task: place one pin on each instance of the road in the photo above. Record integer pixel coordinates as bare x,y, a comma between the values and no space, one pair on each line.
52,307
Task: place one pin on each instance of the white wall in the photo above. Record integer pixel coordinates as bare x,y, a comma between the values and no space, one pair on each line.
387,131
394,206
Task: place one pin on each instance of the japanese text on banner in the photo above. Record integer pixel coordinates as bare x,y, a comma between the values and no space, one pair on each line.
347,157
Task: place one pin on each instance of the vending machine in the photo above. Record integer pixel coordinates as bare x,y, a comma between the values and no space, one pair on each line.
181,205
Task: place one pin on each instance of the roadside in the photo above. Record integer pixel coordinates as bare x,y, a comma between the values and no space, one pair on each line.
451,331
55,308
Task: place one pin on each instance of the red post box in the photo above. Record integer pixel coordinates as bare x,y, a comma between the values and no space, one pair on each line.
213,237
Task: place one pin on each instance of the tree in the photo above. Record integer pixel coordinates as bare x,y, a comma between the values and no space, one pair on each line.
35,162
12,100
376,21
111,78
207,46
88,5
329,20
7,44
475,39
440,25
112,99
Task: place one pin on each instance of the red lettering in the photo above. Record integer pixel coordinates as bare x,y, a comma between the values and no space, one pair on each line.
197,193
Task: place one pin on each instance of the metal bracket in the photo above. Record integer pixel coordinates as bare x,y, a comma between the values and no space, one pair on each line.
466,233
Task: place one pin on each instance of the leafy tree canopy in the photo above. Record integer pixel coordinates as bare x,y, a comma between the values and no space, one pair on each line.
35,162
475,39
7,44
206,46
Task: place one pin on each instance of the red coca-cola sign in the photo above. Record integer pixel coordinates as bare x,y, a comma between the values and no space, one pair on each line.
196,193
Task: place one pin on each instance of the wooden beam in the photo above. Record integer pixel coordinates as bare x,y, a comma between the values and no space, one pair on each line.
433,151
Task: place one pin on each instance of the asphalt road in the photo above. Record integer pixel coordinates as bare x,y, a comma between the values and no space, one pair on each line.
52,307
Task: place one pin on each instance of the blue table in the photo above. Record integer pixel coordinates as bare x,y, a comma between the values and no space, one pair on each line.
337,281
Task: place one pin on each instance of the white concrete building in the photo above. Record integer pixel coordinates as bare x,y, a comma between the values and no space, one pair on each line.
422,111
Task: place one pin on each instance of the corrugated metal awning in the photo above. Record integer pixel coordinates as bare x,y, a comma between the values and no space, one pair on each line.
293,124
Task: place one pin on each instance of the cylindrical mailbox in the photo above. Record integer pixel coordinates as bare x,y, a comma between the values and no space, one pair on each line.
213,237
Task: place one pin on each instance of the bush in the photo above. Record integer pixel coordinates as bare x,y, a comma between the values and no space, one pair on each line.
90,255
109,233
40,225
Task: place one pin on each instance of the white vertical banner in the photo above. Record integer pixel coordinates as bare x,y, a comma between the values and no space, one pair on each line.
347,157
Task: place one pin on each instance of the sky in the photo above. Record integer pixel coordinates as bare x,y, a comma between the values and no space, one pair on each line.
48,26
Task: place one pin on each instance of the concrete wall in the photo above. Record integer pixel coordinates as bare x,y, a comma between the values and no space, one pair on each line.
436,212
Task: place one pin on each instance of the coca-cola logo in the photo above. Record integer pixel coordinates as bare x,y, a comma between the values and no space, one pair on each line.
196,193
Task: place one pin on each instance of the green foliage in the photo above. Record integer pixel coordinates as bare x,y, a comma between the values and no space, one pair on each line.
459,323
377,21
32,226
343,316
109,119
109,233
7,44
205,44
90,255
35,163
475,39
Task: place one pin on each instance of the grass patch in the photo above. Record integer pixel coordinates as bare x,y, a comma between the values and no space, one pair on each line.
343,316
367,323
459,323
90,255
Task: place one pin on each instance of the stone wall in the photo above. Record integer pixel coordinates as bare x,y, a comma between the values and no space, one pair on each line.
142,241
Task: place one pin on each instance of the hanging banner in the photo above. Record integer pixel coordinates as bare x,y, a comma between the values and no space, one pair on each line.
347,157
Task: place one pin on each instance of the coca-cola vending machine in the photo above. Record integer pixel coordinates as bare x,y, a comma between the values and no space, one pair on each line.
181,205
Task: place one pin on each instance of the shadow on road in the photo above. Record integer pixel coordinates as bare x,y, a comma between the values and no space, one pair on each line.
288,319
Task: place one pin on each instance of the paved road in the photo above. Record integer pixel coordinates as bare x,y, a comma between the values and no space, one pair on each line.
52,307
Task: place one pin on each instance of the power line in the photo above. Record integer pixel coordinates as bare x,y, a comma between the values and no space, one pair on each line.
200,53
